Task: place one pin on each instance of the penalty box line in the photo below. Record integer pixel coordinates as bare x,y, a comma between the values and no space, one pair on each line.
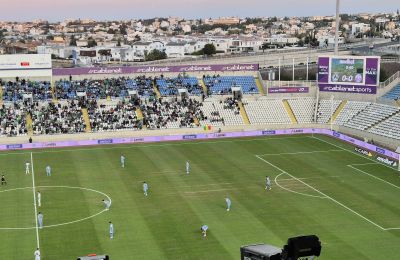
322,193
373,176
305,152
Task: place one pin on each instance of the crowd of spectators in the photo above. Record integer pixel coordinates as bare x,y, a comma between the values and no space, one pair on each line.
103,88
51,118
13,120
222,85
113,117
22,89
169,86
232,104
160,114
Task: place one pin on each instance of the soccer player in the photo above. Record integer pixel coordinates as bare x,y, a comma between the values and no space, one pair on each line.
267,183
228,204
40,219
48,170
111,230
3,180
37,254
204,229
122,161
187,167
107,204
145,188
27,168
39,198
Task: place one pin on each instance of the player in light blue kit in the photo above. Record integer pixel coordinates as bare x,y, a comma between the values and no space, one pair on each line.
122,161
111,230
267,183
145,188
187,167
107,204
204,229
48,170
228,204
40,220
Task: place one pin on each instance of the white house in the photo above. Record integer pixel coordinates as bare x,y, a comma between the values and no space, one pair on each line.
141,48
360,28
176,49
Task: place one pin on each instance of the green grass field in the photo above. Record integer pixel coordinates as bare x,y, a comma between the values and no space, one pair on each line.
350,202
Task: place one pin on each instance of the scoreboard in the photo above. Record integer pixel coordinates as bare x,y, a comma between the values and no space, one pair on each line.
351,74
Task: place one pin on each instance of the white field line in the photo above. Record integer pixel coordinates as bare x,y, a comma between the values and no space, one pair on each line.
60,224
323,194
371,163
297,192
373,176
140,145
306,152
308,178
362,156
34,203
396,228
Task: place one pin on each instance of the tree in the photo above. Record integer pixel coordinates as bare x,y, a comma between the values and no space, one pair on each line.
72,41
91,42
155,55
209,49
122,29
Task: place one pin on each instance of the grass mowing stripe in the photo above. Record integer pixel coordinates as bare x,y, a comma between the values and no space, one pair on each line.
320,192
34,203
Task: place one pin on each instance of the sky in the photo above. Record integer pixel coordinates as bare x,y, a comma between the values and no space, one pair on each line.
58,10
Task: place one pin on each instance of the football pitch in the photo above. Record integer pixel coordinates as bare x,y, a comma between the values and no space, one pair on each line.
319,186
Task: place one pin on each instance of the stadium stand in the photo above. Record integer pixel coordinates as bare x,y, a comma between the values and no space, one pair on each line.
101,89
370,116
393,94
266,111
351,109
303,109
25,89
113,116
170,86
389,128
325,108
62,118
221,112
223,84
162,114
12,120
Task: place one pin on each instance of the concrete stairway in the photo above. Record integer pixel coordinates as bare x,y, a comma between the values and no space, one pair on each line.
289,111
140,117
337,112
243,113
156,91
259,85
85,116
203,85
29,124
53,92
